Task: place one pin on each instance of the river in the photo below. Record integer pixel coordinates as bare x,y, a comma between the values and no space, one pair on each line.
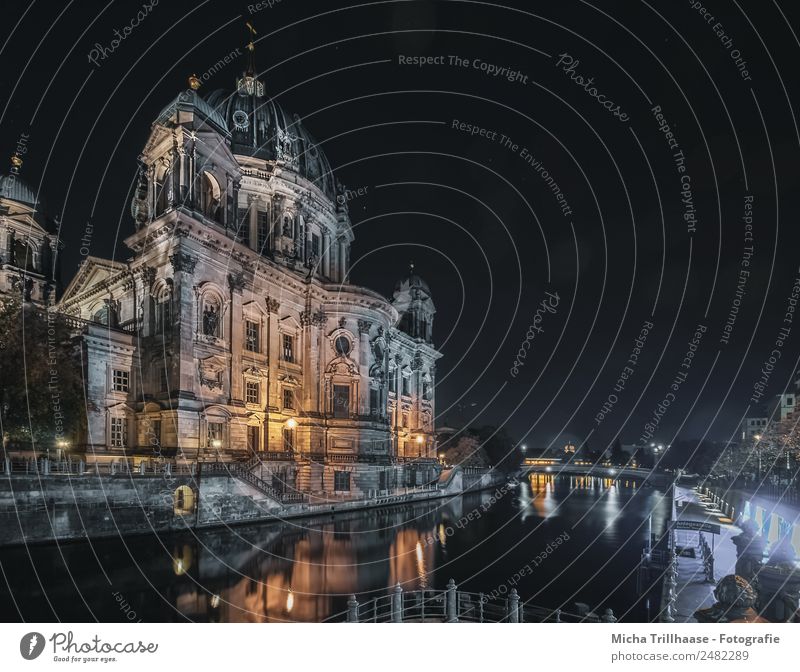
566,538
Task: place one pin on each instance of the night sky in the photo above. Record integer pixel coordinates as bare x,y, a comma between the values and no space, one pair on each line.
639,241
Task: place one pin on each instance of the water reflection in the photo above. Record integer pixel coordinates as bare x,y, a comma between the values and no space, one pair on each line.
305,570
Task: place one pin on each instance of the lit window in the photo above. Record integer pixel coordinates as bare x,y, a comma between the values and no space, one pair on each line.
119,432
251,335
288,348
120,380
251,392
288,397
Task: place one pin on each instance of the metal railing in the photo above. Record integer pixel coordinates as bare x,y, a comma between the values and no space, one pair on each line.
456,606
46,467
240,471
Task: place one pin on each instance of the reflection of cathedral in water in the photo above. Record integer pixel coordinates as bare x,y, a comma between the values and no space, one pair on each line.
303,574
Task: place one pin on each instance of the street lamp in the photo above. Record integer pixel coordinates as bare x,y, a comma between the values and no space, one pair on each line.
420,438
291,423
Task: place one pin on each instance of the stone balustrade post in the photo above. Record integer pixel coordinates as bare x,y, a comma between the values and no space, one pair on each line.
45,466
397,604
513,606
81,467
352,609
451,602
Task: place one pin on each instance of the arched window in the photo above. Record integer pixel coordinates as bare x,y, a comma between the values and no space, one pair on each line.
23,255
183,500
163,310
162,188
211,197
102,315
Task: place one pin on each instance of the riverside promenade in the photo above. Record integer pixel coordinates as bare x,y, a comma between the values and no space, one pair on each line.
761,550
694,590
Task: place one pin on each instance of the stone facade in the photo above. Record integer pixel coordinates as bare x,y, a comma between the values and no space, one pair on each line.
28,259
234,330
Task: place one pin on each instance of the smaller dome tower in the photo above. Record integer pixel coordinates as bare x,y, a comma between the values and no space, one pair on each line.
412,299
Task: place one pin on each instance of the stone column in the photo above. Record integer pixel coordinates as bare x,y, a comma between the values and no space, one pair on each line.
186,319
236,337
326,255
273,389
363,362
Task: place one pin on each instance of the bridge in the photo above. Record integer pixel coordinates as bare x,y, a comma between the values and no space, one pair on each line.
598,471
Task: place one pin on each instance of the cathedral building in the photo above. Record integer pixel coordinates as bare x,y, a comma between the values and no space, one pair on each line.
233,330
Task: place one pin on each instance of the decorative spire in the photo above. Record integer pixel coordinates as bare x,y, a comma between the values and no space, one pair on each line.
251,48
248,84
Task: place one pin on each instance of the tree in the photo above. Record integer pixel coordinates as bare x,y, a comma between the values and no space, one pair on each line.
41,398
499,448
618,456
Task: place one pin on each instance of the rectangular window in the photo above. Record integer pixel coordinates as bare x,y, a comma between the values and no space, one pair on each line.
288,439
315,245
374,402
119,432
341,481
154,433
288,397
251,392
120,380
163,381
406,386
215,435
288,348
262,226
253,435
341,401
251,335
243,215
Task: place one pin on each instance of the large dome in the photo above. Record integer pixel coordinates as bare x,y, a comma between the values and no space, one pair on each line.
15,189
260,128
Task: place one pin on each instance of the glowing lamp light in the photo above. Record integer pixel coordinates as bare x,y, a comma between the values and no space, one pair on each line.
216,443
289,601
291,423
420,439
214,601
